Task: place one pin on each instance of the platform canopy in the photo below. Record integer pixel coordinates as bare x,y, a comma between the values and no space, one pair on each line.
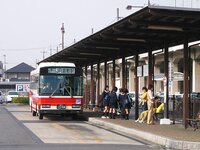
144,30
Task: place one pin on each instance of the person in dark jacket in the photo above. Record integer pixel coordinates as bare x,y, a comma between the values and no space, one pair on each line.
121,103
128,103
125,104
113,103
105,100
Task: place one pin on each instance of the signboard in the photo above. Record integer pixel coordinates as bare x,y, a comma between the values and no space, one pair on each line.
139,71
171,105
61,70
22,87
165,81
171,71
145,70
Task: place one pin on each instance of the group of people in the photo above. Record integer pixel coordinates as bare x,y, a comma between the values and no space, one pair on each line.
111,101
149,107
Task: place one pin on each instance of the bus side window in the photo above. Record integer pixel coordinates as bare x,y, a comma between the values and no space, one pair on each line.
78,86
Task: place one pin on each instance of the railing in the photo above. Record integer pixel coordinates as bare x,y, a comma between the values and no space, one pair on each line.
176,108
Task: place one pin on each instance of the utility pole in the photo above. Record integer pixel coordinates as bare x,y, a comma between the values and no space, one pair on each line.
4,56
149,3
118,15
92,30
43,54
4,75
63,32
50,50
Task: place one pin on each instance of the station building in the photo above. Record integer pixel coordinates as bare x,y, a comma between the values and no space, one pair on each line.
155,45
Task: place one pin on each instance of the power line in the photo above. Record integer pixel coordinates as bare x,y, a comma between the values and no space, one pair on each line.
26,49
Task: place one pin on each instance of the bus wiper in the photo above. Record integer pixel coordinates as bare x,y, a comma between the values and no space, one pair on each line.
68,90
55,89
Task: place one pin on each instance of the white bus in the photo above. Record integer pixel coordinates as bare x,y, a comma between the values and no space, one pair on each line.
56,88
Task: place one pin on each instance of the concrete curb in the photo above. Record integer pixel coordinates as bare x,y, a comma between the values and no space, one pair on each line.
160,140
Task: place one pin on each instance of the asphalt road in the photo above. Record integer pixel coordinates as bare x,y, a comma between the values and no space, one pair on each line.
20,131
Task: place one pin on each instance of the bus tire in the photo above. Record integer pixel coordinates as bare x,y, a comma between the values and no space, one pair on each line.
33,113
40,116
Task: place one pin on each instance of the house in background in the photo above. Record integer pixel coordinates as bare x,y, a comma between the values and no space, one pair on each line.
19,73
16,78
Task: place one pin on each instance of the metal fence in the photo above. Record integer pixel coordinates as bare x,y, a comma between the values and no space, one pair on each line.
176,108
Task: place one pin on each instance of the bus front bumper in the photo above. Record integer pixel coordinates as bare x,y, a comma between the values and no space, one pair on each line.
63,111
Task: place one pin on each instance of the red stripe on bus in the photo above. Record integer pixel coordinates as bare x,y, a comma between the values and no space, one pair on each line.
55,101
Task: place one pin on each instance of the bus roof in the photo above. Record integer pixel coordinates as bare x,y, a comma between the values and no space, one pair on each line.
56,64
51,64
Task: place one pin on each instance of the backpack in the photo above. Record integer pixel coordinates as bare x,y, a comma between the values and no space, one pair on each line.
128,100
106,98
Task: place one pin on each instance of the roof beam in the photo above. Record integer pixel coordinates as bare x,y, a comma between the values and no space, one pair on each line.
173,13
170,24
94,50
115,43
133,36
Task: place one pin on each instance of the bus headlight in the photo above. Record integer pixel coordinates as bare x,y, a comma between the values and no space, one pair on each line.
61,106
46,106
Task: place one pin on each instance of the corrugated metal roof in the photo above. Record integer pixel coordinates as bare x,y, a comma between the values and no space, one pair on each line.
146,29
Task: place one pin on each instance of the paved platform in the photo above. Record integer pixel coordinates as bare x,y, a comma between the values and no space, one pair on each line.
65,130
56,130
176,131
160,134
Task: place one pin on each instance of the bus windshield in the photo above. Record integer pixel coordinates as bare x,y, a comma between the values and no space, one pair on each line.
60,85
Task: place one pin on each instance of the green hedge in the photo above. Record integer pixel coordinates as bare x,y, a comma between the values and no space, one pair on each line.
20,100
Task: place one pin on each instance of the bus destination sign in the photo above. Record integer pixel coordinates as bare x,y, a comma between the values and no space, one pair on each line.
61,70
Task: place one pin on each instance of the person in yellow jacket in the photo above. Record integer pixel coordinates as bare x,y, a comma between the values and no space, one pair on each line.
143,116
144,99
160,108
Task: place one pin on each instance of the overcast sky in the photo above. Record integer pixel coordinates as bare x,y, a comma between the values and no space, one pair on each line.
27,27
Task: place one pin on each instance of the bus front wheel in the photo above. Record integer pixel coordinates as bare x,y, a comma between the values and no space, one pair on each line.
41,116
33,113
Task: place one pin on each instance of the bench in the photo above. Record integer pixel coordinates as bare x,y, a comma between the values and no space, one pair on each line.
194,122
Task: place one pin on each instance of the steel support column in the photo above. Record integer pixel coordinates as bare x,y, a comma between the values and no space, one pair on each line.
166,86
136,80
186,85
98,83
92,87
123,72
105,74
86,87
113,74
150,67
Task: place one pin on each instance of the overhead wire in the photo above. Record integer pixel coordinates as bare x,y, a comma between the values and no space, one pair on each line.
27,49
